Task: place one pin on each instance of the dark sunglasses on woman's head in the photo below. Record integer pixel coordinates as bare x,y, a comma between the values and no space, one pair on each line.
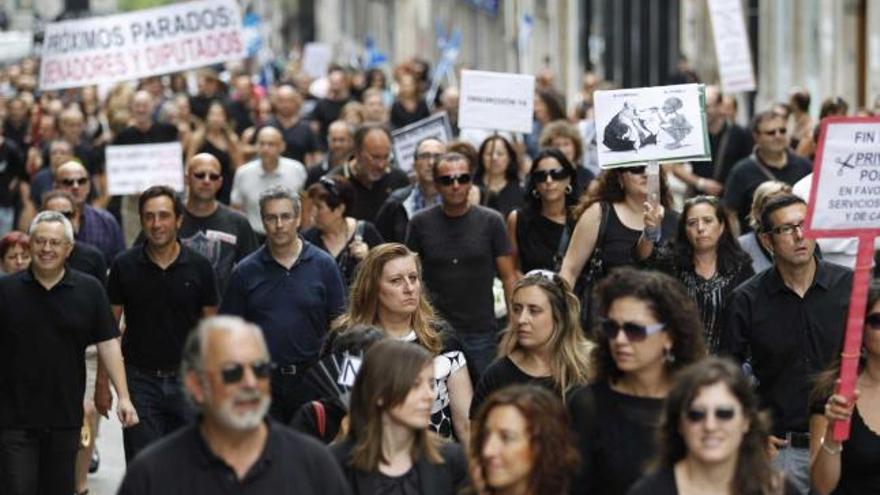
329,186
558,173
872,321
447,180
640,170
202,175
234,372
721,414
634,332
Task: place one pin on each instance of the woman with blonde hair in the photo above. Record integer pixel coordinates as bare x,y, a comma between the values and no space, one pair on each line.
543,343
749,242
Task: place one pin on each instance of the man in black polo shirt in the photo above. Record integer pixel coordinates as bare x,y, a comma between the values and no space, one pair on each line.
300,141
788,321
164,288
48,316
234,448
371,172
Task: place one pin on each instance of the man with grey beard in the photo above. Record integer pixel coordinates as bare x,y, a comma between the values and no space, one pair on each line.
234,447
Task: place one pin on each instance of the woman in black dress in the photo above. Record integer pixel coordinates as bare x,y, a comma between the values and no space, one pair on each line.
649,330
497,174
217,138
536,228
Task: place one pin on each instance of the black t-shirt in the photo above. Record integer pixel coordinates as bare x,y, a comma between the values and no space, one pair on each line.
615,436
509,198
347,264
43,337
368,200
537,240
11,168
161,306
223,237
325,112
401,117
183,464
458,259
299,139
501,373
662,482
729,146
89,260
157,133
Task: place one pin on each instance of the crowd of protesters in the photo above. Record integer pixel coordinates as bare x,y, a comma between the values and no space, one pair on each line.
505,318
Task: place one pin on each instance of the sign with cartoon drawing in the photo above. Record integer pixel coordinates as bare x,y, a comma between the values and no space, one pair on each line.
662,124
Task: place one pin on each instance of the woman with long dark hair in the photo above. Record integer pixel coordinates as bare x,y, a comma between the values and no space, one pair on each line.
707,260
497,173
712,437
217,137
650,329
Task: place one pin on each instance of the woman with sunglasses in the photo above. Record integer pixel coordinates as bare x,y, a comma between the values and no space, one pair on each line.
650,329
565,137
216,137
543,343
387,293
850,467
521,444
497,174
537,228
347,239
389,448
707,260
712,437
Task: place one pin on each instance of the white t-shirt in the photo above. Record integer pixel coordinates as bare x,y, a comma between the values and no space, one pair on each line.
251,180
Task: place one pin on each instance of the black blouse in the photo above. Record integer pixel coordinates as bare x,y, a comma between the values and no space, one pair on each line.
537,240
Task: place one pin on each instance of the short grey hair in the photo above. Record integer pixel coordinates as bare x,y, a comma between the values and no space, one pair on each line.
52,217
194,347
279,192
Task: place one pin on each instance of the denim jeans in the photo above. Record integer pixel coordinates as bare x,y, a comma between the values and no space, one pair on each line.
161,407
480,350
38,461
795,463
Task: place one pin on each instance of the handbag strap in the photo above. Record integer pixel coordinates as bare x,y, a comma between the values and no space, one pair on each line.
320,417
603,227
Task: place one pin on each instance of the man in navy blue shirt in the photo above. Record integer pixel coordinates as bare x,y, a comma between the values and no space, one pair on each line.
292,290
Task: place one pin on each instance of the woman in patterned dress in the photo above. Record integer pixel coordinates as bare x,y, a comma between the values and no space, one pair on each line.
387,292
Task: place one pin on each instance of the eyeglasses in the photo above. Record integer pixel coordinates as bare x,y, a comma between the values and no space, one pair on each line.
770,132
211,176
428,156
234,372
640,170
559,173
722,413
53,243
283,218
788,228
634,332
872,321
71,182
447,180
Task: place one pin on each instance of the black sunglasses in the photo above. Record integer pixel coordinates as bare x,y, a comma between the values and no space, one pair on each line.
558,173
233,373
636,170
330,186
447,180
79,182
721,414
634,332
872,321
770,132
202,175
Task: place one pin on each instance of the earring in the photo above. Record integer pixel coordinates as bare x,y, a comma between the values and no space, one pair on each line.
568,189
536,194
668,356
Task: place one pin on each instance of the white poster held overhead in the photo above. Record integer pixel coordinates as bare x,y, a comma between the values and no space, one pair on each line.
139,44
316,59
133,168
661,123
497,101
732,46
406,138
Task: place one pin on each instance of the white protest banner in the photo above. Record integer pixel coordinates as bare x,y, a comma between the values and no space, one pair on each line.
148,42
497,101
406,138
661,123
732,46
845,202
316,59
133,168
15,45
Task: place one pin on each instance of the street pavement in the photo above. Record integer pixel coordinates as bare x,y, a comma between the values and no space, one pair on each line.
106,480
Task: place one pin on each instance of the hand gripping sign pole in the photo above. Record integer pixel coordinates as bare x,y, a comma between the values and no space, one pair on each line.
845,202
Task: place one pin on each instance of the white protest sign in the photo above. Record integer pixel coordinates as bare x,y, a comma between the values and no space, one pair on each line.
316,59
133,168
845,197
16,44
661,123
732,46
349,371
148,42
496,101
406,138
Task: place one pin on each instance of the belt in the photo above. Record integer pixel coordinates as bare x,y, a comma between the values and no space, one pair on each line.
797,439
154,372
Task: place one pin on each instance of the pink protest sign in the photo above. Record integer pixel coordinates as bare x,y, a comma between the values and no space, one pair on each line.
845,202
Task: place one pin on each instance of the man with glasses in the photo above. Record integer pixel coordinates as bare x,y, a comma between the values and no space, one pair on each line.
96,226
788,322
771,160
292,290
371,172
403,203
232,448
214,230
49,314
268,170
461,246
164,288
